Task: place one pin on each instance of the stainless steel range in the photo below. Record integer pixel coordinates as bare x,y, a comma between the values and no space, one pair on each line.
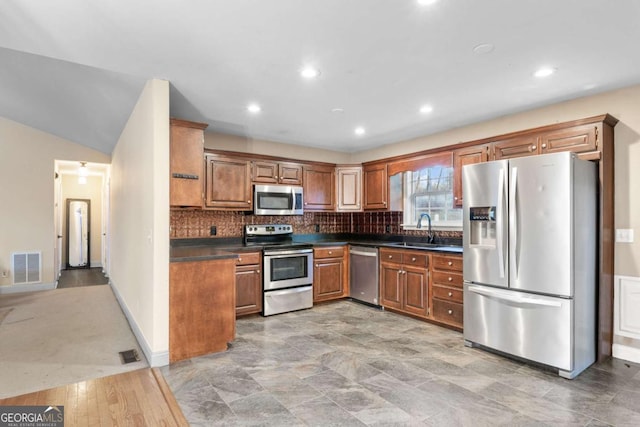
288,268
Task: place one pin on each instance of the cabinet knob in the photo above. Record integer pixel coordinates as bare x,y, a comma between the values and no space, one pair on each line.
239,259
544,145
455,198
450,279
533,148
257,271
330,252
317,265
248,201
450,263
390,256
276,176
413,259
305,203
450,311
450,294
384,203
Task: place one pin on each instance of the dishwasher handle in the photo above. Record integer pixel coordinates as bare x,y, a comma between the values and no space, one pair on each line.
356,252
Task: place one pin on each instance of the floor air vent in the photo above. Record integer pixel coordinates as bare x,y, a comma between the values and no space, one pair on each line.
26,267
129,356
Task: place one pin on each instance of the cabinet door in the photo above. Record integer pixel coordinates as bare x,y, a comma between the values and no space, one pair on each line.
248,289
186,161
576,139
290,173
327,279
265,172
416,290
228,183
391,285
516,147
349,186
319,188
462,157
375,186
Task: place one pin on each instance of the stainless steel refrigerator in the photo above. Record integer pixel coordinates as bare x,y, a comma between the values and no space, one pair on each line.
529,237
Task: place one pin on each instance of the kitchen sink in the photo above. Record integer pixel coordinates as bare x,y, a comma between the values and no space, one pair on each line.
429,246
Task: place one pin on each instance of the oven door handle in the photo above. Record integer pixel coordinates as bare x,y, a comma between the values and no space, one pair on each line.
268,294
280,254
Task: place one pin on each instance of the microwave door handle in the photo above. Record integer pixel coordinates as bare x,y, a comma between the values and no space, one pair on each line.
293,200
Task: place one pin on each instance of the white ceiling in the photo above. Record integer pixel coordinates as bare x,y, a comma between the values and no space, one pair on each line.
75,68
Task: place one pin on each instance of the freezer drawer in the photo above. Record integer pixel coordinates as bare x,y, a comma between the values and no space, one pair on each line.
533,327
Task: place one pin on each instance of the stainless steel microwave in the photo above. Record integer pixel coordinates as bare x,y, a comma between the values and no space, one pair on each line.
277,200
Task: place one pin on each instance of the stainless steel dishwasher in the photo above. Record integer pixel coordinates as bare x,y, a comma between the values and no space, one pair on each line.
364,274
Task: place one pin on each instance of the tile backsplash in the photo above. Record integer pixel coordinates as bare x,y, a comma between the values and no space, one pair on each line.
197,223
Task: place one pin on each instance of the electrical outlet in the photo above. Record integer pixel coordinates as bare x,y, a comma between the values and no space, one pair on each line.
5,273
387,229
624,235
317,228
213,230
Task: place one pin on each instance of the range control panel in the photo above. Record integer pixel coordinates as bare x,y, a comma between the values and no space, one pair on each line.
267,229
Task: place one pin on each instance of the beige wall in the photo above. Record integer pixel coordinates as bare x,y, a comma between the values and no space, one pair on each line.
27,159
139,220
219,141
623,104
92,190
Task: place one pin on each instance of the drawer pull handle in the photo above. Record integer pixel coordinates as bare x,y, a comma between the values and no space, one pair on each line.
450,294
450,263
450,311
450,279
413,259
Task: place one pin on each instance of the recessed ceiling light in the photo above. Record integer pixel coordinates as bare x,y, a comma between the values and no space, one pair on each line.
544,72
426,109
483,48
309,73
426,2
359,130
337,110
254,108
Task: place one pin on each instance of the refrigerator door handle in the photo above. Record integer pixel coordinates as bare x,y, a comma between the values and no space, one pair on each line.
513,221
513,297
500,222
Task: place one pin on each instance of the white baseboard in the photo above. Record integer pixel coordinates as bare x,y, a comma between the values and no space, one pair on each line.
155,359
30,287
626,353
96,264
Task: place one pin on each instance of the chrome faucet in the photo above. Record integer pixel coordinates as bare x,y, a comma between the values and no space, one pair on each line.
430,236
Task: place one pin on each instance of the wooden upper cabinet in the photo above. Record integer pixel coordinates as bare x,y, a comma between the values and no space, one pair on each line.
521,146
349,188
375,193
576,138
186,163
319,187
462,157
228,183
268,172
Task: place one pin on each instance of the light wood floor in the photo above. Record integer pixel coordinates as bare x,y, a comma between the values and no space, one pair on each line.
136,398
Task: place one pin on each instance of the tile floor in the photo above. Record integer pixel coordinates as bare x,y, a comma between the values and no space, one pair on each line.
345,364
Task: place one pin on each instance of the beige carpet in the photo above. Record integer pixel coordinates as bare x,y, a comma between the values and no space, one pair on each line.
62,336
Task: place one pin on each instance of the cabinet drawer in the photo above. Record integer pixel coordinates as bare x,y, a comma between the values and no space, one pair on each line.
448,294
332,252
449,312
249,258
447,278
449,262
389,255
420,259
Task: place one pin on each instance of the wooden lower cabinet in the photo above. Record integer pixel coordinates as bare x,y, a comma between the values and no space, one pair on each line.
404,281
330,273
249,283
446,277
202,316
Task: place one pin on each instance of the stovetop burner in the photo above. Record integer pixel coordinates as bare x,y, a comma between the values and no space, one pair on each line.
272,236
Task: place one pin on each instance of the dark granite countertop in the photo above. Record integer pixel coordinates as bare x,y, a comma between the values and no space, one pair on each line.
219,248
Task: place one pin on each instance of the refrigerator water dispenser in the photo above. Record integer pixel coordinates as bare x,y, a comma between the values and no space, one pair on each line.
482,226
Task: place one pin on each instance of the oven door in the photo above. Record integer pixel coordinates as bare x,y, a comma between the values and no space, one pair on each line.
288,268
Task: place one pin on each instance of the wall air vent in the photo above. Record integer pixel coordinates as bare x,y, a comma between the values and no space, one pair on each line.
26,267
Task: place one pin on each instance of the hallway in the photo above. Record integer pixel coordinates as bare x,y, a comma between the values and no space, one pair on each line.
77,277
